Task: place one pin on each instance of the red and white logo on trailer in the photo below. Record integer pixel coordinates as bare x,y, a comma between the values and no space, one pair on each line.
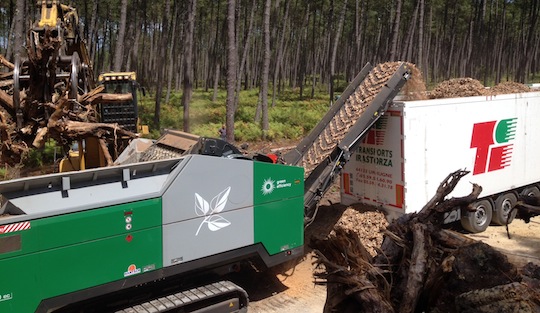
493,143
10,228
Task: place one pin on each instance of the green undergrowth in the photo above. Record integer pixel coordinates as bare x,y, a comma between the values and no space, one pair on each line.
39,157
292,117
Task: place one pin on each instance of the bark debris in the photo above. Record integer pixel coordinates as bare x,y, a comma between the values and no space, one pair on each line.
40,98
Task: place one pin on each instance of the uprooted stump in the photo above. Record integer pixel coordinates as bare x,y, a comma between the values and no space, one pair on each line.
65,123
422,267
51,93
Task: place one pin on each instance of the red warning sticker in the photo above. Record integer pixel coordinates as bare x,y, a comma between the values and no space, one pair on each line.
10,228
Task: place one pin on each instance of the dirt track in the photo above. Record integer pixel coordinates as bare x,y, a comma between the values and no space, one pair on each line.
294,291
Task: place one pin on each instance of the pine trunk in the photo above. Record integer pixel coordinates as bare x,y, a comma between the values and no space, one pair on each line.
266,69
232,60
188,64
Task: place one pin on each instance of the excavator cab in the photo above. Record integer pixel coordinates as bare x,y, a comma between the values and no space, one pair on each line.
125,113
87,153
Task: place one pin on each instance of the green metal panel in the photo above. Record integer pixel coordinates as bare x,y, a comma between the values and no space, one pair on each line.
99,262
69,229
278,206
67,253
19,288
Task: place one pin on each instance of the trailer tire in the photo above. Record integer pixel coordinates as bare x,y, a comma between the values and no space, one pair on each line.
531,191
504,204
478,220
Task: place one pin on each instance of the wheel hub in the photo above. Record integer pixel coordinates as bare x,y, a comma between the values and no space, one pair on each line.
480,215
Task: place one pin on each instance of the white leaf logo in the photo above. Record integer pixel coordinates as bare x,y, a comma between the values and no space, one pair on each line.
210,210
201,206
217,222
220,200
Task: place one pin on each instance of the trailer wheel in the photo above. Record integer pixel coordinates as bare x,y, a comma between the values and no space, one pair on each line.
503,205
478,220
531,191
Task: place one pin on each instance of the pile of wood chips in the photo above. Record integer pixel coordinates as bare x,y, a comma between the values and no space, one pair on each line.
509,87
420,266
369,226
458,87
469,87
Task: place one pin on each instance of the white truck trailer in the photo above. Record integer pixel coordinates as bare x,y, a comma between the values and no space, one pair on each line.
416,144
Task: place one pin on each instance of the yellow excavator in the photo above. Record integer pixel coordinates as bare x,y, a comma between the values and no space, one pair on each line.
67,63
123,113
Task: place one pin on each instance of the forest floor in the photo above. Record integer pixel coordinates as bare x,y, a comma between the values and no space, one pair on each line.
291,288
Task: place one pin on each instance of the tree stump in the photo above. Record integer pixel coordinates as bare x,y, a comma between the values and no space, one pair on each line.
422,267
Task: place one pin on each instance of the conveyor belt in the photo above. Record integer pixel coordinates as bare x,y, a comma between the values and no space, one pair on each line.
325,150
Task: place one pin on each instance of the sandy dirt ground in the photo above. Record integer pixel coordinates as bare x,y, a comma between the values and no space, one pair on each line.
291,288
524,238
292,291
